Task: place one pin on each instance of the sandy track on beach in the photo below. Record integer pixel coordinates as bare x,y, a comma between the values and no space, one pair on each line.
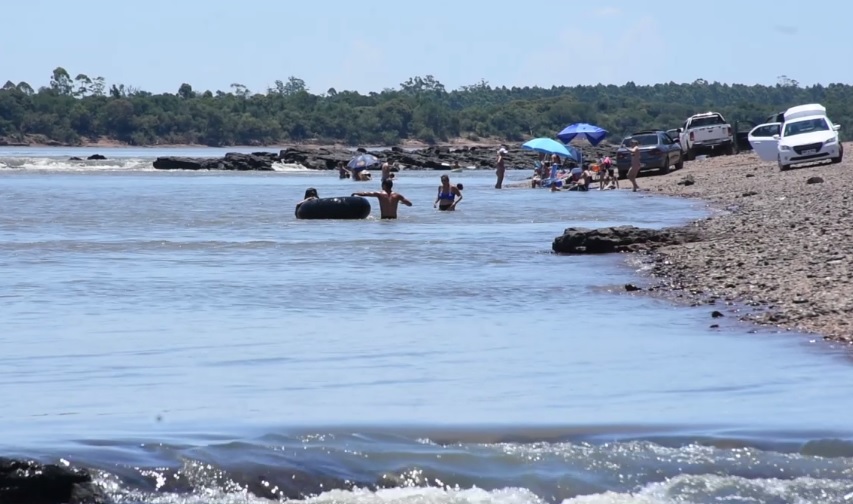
778,250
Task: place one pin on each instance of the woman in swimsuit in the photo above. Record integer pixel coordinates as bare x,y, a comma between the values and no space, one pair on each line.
447,195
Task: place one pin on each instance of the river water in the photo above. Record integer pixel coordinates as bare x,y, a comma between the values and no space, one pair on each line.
184,336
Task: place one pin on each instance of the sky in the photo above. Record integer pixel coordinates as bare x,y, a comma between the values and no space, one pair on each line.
369,45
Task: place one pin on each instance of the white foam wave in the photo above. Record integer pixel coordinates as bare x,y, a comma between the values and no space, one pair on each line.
119,164
53,164
714,488
681,489
290,167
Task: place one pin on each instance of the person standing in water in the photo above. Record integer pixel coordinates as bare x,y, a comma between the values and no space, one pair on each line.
388,199
447,195
635,163
501,166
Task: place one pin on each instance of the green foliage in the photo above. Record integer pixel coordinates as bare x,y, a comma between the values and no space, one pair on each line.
71,110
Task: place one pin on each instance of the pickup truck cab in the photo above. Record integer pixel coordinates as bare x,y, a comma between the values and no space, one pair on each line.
706,133
804,135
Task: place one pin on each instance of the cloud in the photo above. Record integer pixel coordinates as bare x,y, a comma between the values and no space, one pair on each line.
590,56
608,12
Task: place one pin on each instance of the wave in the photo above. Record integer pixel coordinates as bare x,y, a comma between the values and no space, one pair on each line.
338,467
43,164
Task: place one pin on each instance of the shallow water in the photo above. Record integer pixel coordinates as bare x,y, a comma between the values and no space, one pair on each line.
170,319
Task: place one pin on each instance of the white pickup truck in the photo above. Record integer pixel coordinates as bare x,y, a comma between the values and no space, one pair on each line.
706,133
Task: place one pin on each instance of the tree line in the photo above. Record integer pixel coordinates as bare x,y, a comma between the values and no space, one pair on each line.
73,110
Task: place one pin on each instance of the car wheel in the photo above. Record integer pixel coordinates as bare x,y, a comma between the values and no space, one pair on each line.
782,167
680,164
729,149
623,175
838,159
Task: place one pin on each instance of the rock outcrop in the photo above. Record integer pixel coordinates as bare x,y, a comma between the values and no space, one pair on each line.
28,482
327,158
617,239
260,161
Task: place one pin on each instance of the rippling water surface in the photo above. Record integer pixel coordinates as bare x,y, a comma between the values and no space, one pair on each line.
184,327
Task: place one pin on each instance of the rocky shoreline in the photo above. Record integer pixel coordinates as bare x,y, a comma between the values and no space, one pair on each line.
778,250
327,158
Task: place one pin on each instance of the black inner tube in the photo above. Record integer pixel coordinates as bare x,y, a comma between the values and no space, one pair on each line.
344,207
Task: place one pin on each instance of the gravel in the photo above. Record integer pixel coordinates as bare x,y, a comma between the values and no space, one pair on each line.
777,249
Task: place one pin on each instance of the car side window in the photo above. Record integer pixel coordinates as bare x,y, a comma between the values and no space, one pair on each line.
664,139
767,131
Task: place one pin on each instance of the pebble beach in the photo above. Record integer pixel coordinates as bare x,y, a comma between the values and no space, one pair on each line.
777,249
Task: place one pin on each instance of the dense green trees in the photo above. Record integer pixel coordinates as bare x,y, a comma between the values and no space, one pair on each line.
71,110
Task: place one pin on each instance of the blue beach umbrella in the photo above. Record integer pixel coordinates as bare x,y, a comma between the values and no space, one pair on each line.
549,146
591,132
362,161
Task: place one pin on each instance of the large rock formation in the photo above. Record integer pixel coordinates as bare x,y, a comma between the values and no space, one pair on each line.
618,239
28,482
262,161
326,158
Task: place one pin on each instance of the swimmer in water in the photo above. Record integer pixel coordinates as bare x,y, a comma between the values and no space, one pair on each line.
448,196
388,199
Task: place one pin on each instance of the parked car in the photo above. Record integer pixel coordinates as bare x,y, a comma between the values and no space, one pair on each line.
742,129
805,135
706,133
658,151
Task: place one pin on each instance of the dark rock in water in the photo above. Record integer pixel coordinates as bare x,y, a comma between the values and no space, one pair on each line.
716,314
235,161
96,157
75,158
815,180
632,288
617,239
28,482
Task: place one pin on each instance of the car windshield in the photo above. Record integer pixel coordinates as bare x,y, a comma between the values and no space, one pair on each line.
805,126
643,140
706,121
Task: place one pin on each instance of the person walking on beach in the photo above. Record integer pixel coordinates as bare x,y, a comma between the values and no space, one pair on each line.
635,164
501,166
388,199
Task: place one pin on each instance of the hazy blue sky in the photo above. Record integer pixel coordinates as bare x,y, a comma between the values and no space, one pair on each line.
369,45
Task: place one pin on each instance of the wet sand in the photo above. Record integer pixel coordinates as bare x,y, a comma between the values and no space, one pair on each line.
776,251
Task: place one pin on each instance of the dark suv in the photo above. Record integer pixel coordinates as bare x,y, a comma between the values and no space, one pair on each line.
658,151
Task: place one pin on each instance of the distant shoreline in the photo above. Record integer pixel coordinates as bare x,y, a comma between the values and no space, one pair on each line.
114,144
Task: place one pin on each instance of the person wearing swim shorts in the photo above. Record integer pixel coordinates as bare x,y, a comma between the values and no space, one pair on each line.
447,195
388,199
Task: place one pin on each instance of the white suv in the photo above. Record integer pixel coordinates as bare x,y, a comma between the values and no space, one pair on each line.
804,135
